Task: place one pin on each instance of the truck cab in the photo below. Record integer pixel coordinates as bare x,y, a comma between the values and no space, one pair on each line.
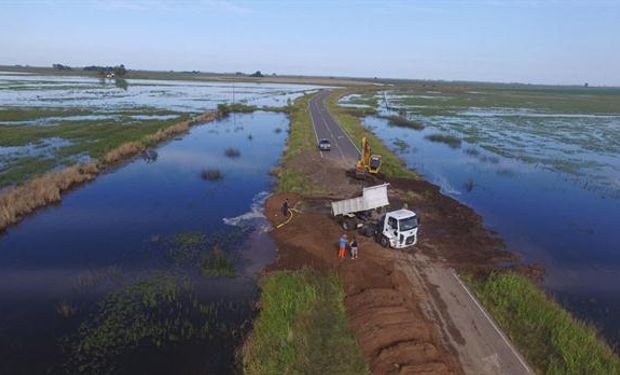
398,229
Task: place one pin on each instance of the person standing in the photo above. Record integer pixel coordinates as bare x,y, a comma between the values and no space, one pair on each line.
353,246
285,207
342,246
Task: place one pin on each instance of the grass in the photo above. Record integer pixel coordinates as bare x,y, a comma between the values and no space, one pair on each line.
302,327
551,339
448,139
226,109
94,139
16,202
403,122
391,164
301,138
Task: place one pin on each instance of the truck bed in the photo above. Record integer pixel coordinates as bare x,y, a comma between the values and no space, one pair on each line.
372,197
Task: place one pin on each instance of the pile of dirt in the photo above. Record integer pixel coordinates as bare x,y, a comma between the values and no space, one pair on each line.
449,230
327,174
385,315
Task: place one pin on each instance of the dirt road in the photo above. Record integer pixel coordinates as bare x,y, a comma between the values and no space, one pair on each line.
391,330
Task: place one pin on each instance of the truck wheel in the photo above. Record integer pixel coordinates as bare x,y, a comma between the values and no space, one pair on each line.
345,225
348,224
383,241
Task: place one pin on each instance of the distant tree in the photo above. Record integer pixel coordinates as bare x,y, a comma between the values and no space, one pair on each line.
119,70
61,67
257,74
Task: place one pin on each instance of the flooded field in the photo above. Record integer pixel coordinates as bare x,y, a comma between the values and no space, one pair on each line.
48,122
541,166
152,267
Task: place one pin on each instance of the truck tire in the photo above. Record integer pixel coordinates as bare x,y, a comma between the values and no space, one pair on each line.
345,225
383,241
348,224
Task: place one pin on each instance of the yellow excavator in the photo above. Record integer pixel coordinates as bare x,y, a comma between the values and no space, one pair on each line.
369,162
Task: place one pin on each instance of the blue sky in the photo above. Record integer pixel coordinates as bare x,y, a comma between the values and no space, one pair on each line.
532,41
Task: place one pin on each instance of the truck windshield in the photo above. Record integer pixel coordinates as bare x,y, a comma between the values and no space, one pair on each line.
408,223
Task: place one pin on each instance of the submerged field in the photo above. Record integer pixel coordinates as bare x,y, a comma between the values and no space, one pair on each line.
48,122
150,261
541,164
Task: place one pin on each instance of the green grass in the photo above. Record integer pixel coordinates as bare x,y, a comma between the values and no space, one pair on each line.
391,164
301,138
225,109
551,339
92,138
302,328
403,122
448,139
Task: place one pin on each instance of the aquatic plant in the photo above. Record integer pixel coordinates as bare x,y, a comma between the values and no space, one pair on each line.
472,151
206,254
226,109
93,278
404,122
211,174
232,153
65,309
401,145
448,139
157,311
217,264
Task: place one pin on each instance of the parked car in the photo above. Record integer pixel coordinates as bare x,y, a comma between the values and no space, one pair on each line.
324,144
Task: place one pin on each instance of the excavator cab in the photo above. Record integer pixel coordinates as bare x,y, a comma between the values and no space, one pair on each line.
375,164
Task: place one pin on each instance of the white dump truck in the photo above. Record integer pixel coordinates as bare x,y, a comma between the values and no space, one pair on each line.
396,229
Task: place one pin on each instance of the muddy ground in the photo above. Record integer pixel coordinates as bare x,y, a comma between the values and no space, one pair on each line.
386,312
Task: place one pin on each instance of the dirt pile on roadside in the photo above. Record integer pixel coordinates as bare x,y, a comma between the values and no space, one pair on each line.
384,313
327,174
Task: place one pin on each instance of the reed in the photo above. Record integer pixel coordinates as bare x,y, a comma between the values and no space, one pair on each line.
19,201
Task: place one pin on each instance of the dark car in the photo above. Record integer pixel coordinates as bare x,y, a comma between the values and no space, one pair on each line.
324,145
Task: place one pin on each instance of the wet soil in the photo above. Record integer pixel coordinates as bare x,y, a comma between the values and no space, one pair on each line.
386,314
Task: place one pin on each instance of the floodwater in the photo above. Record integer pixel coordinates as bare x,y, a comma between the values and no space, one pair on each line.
565,221
96,94
60,268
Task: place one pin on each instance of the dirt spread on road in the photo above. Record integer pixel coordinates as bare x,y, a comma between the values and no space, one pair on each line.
384,313
386,304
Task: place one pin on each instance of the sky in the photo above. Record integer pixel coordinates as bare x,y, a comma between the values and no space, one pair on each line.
533,41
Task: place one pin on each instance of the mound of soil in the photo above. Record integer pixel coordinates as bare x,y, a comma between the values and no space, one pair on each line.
449,230
385,315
